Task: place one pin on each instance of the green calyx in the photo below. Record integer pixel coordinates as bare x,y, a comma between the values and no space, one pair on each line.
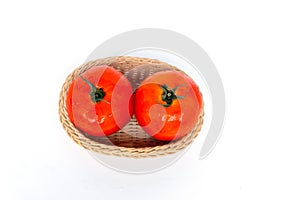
169,94
96,94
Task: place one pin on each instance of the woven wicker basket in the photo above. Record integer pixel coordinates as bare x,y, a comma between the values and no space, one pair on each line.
131,141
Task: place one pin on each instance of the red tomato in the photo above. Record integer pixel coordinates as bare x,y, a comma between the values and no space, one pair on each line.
100,101
168,105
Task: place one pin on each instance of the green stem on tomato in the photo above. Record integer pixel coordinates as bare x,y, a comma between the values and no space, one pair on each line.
169,95
96,94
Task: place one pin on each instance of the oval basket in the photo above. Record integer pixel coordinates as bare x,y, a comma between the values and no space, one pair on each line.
131,141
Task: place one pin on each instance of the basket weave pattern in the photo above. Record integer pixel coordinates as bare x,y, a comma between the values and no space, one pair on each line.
131,141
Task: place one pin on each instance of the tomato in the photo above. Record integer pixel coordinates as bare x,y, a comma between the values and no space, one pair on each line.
100,101
168,105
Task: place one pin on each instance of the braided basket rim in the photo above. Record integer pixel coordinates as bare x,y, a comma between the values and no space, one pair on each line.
133,152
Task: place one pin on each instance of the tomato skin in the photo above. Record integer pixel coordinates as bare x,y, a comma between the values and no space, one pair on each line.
162,121
106,116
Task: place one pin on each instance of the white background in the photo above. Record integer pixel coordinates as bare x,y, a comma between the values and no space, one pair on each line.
255,46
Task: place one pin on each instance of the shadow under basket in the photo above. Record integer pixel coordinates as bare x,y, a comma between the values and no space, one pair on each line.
131,141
